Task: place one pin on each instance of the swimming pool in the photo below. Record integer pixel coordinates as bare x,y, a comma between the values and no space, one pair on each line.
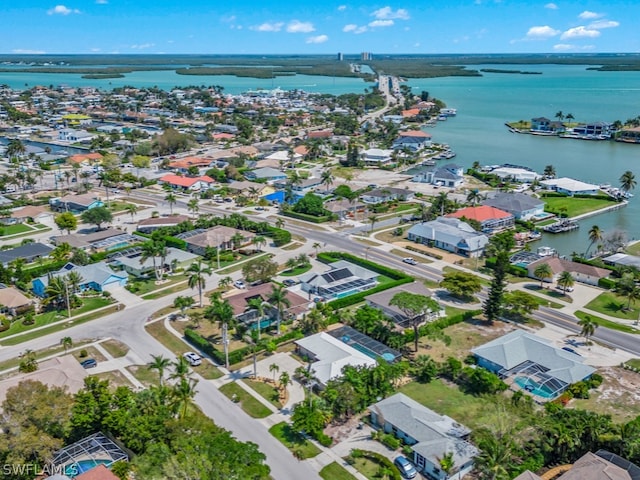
534,387
82,466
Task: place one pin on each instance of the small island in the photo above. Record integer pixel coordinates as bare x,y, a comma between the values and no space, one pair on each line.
102,76
499,70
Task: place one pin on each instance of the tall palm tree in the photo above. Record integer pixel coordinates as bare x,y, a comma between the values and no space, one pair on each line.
474,197
560,116
56,291
221,311
549,171
274,368
373,219
317,246
278,298
565,280
595,235
225,282
171,200
628,181
184,391
160,364
193,205
327,178
131,208
259,241
196,273
151,250
73,280
543,272
588,327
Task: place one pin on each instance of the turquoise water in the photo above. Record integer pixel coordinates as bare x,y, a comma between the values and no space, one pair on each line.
83,466
537,389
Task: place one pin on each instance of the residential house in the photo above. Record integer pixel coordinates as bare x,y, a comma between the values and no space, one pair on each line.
376,157
13,301
31,213
191,184
307,185
267,173
319,134
570,187
85,158
595,129
387,194
221,237
99,240
381,301
344,208
285,157
30,252
149,225
450,176
131,262
532,363
430,435
520,205
543,124
76,120
628,135
75,203
249,189
579,271
71,135
182,165
515,174
413,140
450,234
328,356
622,260
343,279
96,276
491,219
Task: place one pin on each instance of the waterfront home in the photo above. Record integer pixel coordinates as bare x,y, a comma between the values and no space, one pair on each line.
622,260
595,129
29,252
430,435
450,176
387,194
601,465
450,234
520,205
543,124
343,279
515,174
413,140
149,225
12,301
628,135
190,184
579,271
267,174
382,299
71,135
328,356
96,276
220,237
491,219
376,157
569,186
75,203
131,262
532,363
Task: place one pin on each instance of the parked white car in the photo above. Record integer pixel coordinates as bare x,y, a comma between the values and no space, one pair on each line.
193,358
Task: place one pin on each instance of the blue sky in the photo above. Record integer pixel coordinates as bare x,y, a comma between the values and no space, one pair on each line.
317,27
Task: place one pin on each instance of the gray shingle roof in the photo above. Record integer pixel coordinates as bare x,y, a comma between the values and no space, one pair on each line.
513,202
451,231
27,251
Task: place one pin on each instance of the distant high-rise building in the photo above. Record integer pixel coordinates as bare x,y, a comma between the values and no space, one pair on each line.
364,56
340,56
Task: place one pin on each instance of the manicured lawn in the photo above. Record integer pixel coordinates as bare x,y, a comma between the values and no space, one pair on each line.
207,370
91,352
574,206
301,447
143,287
250,405
633,249
553,293
615,305
634,362
296,271
115,348
178,287
603,322
168,339
333,471
14,229
367,467
266,390
473,412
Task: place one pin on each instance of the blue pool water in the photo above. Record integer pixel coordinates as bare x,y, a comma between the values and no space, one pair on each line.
534,387
83,466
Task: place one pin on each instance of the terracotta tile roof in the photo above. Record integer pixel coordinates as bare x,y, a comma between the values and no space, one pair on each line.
411,113
480,214
223,136
187,162
184,181
320,134
414,133
83,157
98,473
301,149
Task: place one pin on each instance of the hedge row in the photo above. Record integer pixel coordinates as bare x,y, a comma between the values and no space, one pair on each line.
359,297
607,283
306,217
512,269
330,257
424,252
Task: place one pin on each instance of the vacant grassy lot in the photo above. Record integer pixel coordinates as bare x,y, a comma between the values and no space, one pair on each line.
250,405
473,412
611,304
144,374
115,348
295,442
333,471
572,207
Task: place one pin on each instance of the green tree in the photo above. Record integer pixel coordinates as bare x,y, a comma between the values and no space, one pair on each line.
588,327
492,306
313,322
278,298
66,221
461,284
66,343
595,235
519,304
196,277
183,393
373,219
626,287
549,171
274,368
474,197
310,204
259,270
425,368
221,311
171,200
284,380
565,281
151,250
97,216
28,363
415,308
160,364
193,205
131,209
140,161
543,272
183,302
628,181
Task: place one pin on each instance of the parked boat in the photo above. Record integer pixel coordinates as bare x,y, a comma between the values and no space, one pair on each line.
562,226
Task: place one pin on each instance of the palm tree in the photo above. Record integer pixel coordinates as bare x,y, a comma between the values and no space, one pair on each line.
66,343
327,178
317,246
627,181
626,287
196,273
595,235
549,171
222,312
588,327
73,279
474,197
257,304
259,241
565,280
150,250
560,116
182,302
15,148
373,219
184,391
56,291
180,369
447,463
61,252
171,200
284,380
131,208
274,368
278,298
225,282
542,272
193,205
160,364
569,117
279,223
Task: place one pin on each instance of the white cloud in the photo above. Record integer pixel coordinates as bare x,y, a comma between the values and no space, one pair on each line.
342,8
541,32
580,32
387,13
62,10
26,51
352,27
142,46
381,23
599,24
296,26
565,47
587,15
551,6
268,27
317,39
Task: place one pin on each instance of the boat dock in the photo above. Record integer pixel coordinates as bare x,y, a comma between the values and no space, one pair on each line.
562,226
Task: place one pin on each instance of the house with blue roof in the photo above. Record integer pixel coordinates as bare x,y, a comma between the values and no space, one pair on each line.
96,277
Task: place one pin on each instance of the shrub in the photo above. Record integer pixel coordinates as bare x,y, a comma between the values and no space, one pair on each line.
390,441
606,283
83,353
595,381
330,257
579,390
324,439
5,324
